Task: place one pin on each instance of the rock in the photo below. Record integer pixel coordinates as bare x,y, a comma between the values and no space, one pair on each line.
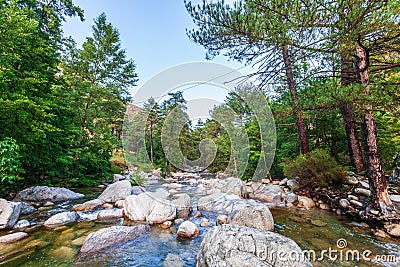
111,214
213,191
116,191
205,222
351,180
107,237
324,206
318,223
306,202
63,253
293,184
88,205
356,203
283,182
12,238
21,225
234,186
161,212
362,192
183,205
136,190
145,207
119,177
222,219
173,260
344,203
268,193
61,219
48,204
88,216
229,245
79,241
351,197
395,198
137,207
380,233
253,216
9,213
119,204
26,209
266,181
188,229
374,212
222,203
45,193
107,206
364,185
166,224
393,229
291,198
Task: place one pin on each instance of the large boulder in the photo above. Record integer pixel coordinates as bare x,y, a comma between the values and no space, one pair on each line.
116,191
110,214
45,193
229,245
268,193
89,205
161,212
9,213
234,186
147,207
107,237
223,203
183,205
253,216
61,219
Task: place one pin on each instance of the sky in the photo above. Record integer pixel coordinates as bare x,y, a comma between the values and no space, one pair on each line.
153,32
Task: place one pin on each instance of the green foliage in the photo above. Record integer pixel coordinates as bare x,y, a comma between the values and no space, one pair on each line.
10,165
318,169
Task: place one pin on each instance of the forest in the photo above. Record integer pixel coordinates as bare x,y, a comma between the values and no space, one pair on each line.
328,69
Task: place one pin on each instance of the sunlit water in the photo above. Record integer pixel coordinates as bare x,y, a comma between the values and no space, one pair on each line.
315,229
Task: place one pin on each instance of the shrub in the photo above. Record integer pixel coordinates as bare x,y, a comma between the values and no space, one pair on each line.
10,165
319,169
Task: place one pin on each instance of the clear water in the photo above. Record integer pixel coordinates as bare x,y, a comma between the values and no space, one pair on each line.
60,247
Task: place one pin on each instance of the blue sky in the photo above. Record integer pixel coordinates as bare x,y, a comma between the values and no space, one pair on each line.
154,34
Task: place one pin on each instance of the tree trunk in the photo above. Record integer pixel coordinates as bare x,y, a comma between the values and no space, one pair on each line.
301,128
151,143
347,109
375,173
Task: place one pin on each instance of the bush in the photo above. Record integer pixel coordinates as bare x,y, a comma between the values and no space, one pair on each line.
10,165
319,169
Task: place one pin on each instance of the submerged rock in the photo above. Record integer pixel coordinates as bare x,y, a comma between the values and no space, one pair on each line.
253,216
173,260
111,236
9,213
45,193
116,191
229,245
12,238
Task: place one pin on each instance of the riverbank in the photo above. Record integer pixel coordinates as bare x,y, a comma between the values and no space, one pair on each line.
312,228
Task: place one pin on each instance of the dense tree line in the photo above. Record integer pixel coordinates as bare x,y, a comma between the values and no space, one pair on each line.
59,104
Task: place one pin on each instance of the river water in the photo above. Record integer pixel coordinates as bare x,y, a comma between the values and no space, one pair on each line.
314,230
